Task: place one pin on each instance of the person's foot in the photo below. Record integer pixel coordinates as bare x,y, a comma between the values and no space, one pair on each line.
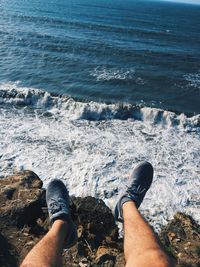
57,198
142,177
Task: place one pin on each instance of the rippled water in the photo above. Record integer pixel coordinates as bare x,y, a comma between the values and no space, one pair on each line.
123,51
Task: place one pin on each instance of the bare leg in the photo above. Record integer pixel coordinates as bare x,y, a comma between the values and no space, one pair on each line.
47,252
141,247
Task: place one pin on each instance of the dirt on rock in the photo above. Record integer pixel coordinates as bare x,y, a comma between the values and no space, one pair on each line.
24,221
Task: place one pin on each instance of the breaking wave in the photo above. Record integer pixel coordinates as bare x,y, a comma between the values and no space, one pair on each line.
93,146
21,96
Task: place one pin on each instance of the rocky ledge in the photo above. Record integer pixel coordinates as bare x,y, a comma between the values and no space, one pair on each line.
24,220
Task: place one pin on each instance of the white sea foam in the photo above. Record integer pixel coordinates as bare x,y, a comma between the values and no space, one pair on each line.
107,74
193,80
71,109
94,157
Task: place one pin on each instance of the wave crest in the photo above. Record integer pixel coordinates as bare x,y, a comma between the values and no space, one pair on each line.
21,96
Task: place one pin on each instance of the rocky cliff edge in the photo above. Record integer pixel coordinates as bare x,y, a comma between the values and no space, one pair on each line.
24,220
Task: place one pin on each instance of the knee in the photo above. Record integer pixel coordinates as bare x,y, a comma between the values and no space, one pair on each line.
29,264
32,265
158,258
150,258
25,265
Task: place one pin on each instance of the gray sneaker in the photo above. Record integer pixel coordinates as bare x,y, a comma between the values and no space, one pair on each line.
142,177
57,198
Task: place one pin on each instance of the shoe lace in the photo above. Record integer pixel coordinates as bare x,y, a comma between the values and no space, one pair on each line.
55,206
135,190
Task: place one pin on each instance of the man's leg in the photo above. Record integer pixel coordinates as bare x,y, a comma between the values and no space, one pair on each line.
141,247
47,252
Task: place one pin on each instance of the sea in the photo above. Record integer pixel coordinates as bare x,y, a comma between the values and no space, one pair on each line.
90,88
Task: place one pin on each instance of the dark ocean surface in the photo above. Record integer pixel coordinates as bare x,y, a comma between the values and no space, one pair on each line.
121,51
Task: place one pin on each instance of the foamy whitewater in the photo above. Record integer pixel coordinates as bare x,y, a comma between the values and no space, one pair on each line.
93,147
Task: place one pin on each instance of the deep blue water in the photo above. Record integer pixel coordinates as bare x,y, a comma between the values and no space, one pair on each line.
109,51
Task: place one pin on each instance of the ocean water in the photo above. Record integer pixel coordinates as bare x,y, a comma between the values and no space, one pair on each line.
90,88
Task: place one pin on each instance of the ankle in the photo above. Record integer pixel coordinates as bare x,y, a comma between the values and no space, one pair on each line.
129,205
129,209
60,223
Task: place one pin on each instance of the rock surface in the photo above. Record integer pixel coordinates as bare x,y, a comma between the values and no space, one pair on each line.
24,220
181,238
